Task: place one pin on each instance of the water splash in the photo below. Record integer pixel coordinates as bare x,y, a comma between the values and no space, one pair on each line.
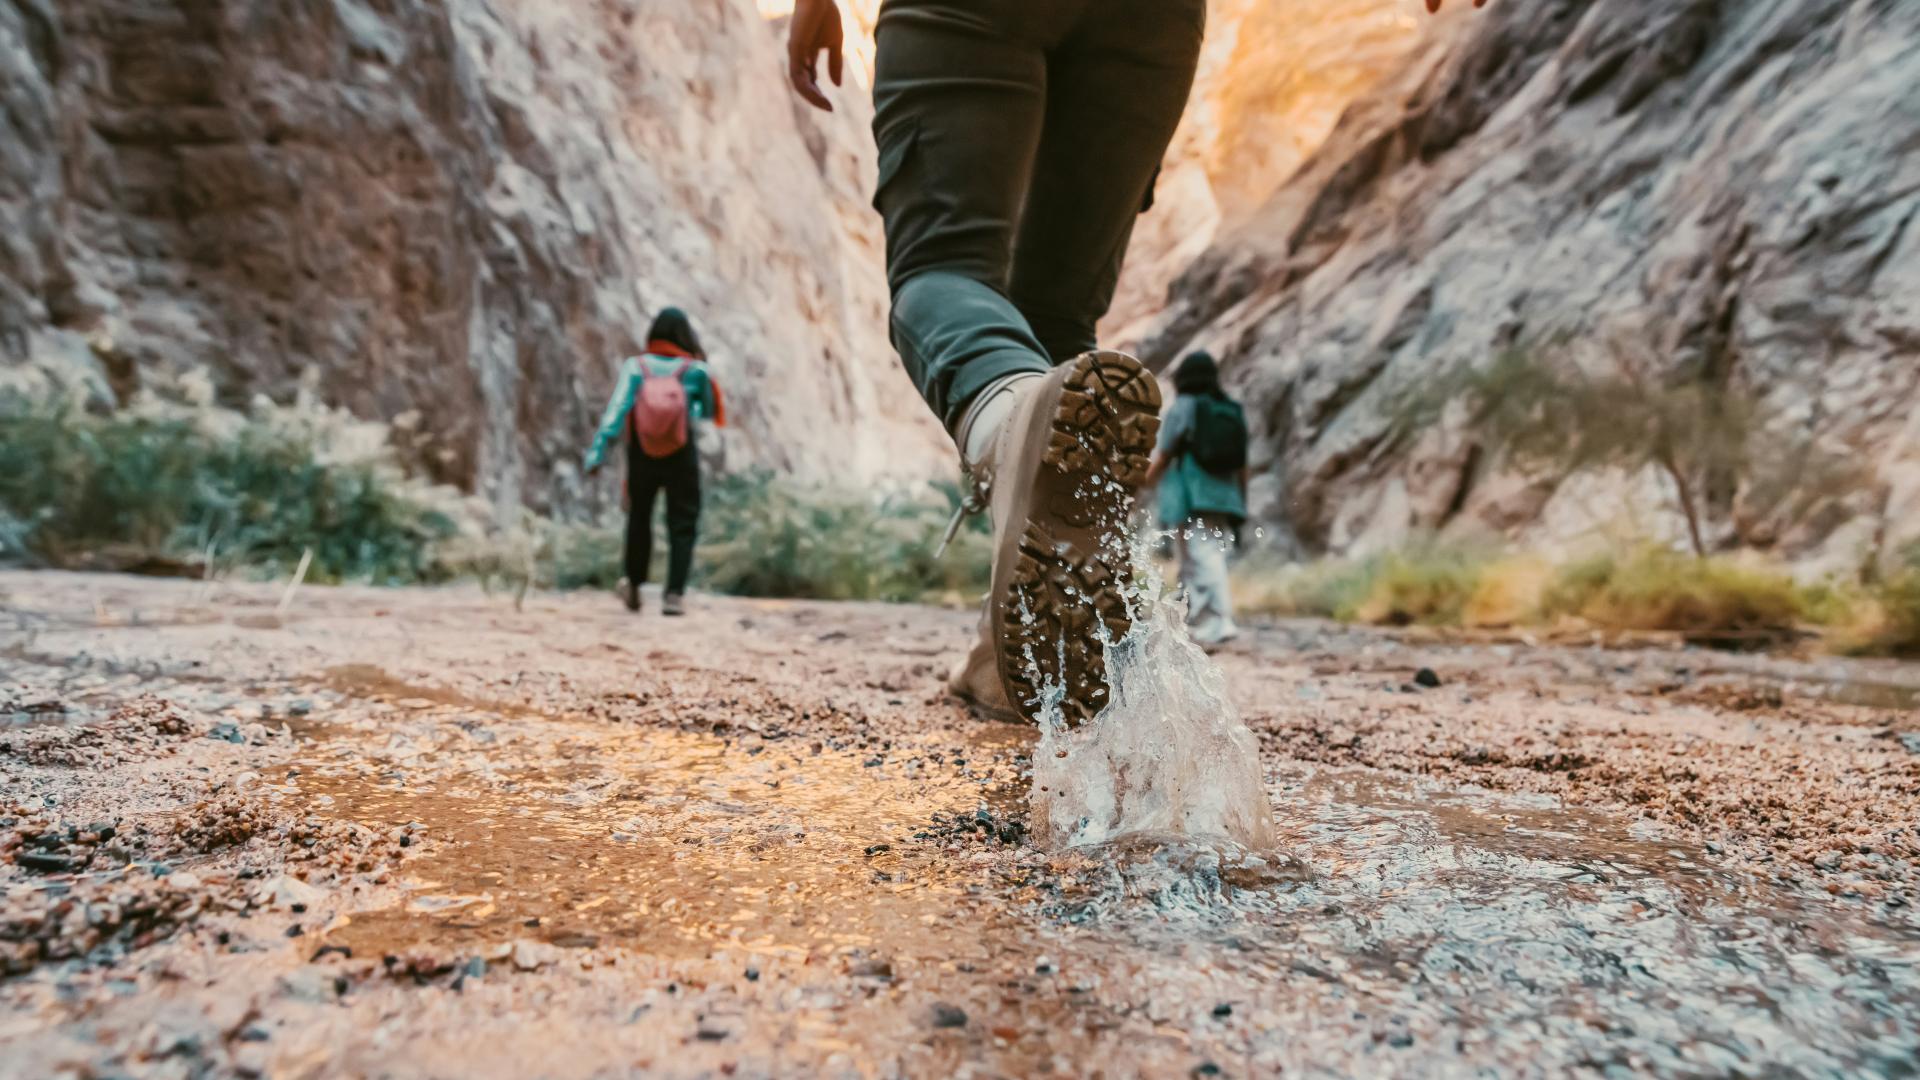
1168,757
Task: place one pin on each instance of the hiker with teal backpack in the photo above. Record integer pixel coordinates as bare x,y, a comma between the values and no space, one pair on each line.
656,398
1201,467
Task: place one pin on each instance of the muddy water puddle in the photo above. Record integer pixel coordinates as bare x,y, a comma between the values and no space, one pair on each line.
1424,929
673,844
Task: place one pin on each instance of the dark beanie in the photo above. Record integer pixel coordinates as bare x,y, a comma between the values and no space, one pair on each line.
673,325
1198,374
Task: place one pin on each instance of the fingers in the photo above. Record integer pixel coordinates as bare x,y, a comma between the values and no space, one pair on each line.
803,47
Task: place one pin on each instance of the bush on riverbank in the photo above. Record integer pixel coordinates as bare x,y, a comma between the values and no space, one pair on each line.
192,488
1724,599
180,485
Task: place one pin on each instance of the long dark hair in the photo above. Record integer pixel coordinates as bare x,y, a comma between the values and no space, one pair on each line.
1198,375
673,326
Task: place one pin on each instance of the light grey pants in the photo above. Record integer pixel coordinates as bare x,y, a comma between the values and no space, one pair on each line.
1202,545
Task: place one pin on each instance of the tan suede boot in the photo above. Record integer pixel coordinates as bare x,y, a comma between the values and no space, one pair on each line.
1060,477
976,680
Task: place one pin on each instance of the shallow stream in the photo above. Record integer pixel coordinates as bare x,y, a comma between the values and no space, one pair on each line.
1398,925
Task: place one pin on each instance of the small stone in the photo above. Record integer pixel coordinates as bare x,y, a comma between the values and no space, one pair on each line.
309,984
1223,1009
530,955
872,969
875,849
1426,677
475,968
948,1016
753,974
46,862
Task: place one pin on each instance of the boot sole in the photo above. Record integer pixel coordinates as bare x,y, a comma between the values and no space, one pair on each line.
1065,578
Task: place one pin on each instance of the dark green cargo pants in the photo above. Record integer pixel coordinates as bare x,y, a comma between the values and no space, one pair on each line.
1018,141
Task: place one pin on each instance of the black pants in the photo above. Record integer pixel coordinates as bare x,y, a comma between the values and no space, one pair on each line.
1018,140
678,474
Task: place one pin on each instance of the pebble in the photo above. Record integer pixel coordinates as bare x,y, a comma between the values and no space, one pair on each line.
531,955
310,985
872,969
1426,677
948,1016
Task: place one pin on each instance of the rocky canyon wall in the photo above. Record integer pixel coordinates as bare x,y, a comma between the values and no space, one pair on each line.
1730,185
465,210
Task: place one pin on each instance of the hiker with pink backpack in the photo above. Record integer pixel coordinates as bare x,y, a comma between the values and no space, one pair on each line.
656,398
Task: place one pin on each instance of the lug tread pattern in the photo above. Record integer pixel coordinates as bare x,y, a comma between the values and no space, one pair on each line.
1068,582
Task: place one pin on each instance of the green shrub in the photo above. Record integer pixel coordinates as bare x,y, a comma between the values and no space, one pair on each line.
1427,582
1898,599
761,536
1655,588
1883,617
169,483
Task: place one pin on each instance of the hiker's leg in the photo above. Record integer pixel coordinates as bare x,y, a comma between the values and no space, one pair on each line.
683,517
1183,546
959,94
643,484
1209,596
1116,88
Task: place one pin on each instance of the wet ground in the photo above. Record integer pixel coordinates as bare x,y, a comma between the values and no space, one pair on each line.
418,833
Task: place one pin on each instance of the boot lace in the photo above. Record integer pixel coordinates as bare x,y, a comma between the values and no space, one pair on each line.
974,502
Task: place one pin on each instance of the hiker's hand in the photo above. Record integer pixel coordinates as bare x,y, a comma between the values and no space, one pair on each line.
815,26
1433,6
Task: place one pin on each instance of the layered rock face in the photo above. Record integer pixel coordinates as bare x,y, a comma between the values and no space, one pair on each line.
1730,186
1274,79
467,210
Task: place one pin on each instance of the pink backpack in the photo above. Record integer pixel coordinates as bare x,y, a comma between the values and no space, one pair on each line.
659,415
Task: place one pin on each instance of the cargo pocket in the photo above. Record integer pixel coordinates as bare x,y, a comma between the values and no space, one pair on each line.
896,149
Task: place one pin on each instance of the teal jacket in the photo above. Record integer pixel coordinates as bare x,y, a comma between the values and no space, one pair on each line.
703,398
1187,489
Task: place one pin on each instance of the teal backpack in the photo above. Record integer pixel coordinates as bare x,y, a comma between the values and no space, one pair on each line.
1218,441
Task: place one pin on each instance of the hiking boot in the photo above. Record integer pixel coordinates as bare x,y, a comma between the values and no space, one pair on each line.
629,594
673,604
976,680
1060,476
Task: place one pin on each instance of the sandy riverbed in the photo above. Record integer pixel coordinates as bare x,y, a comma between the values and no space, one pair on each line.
418,833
